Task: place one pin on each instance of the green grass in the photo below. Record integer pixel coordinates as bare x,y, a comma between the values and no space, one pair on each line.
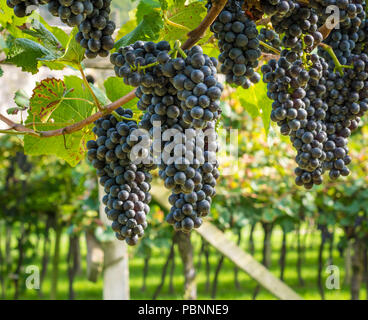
226,288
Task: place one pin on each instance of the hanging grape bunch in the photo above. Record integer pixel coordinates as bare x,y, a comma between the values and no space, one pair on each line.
91,18
238,44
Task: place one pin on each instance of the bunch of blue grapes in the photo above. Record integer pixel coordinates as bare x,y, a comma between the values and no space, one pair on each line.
126,183
181,94
90,16
347,101
238,43
299,110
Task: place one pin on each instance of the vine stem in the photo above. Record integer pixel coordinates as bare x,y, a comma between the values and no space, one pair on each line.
338,66
89,88
121,118
196,34
267,46
73,127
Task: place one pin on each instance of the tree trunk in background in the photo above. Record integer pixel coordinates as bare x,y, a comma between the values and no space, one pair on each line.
2,265
45,254
251,239
320,266
331,247
186,253
267,250
8,257
145,272
164,270
116,263
201,252
21,255
73,263
171,278
215,278
236,269
357,268
299,262
365,269
283,255
348,259
208,266
55,262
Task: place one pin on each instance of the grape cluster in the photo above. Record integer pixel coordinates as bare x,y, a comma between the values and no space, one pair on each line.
182,94
300,28
271,38
299,110
188,208
349,38
347,100
238,44
24,8
199,92
125,182
90,16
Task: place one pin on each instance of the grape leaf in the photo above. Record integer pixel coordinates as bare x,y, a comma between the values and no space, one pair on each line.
148,29
74,53
21,98
39,31
24,53
189,16
46,97
71,147
100,95
256,102
147,7
1,72
116,88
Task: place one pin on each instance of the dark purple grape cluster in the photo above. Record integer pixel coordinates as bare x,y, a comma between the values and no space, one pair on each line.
350,37
299,110
238,44
126,183
347,101
300,28
188,208
182,95
90,16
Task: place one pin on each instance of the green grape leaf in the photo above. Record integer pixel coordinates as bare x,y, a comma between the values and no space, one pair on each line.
147,7
148,29
1,72
40,32
100,95
116,88
189,17
46,97
24,53
21,98
256,102
70,147
73,55
61,36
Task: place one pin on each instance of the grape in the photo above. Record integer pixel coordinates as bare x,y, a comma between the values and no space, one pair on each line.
126,184
239,48
182,94
92,19
300,111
